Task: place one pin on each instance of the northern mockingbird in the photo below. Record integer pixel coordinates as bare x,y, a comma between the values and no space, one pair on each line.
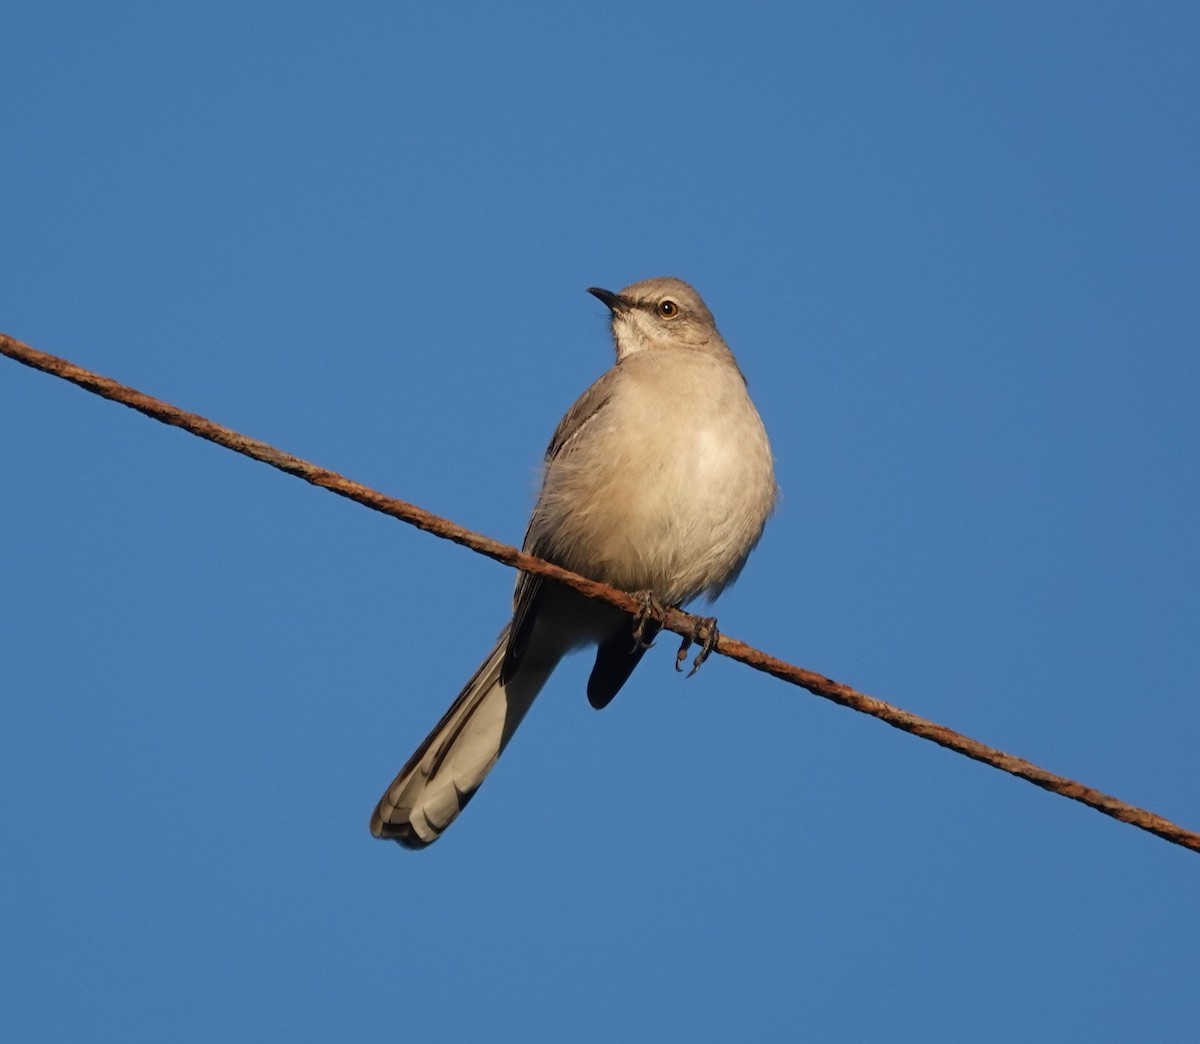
657,481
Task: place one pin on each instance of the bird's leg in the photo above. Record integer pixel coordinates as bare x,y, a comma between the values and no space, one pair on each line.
704,631
651,612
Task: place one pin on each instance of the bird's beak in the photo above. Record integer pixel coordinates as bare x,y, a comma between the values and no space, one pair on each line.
616,303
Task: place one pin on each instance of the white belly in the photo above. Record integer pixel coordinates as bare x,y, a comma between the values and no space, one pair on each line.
663,496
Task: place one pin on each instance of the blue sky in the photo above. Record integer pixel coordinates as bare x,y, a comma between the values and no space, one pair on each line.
956,249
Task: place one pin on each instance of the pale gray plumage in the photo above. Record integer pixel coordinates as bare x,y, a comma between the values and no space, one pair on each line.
659,479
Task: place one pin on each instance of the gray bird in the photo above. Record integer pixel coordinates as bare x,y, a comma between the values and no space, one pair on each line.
658,481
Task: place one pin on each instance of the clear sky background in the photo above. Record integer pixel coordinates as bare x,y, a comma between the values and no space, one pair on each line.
957,250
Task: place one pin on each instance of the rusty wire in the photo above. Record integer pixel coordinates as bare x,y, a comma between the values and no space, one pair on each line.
680,623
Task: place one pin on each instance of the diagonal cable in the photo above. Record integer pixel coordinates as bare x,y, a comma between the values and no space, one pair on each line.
680,623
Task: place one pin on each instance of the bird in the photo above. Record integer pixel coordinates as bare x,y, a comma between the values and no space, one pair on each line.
658,481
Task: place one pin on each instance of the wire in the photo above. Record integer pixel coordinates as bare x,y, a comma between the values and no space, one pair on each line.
680,623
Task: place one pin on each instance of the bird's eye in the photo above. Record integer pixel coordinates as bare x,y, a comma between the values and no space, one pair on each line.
668,309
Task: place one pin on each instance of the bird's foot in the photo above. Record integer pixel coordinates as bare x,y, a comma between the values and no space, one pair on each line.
704,631
647,619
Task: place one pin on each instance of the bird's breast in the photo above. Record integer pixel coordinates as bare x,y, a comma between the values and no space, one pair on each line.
670,490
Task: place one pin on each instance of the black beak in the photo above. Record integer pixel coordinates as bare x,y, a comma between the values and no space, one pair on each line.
615,302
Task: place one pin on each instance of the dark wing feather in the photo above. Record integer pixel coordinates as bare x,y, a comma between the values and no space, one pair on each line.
616,658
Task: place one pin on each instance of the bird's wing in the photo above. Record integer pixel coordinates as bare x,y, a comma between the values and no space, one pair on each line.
587,410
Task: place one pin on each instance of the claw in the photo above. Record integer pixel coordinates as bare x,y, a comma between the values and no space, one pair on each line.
704,631
651,608
708,642
680,656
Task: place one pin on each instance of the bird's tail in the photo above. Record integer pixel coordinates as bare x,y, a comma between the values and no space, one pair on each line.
447,769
